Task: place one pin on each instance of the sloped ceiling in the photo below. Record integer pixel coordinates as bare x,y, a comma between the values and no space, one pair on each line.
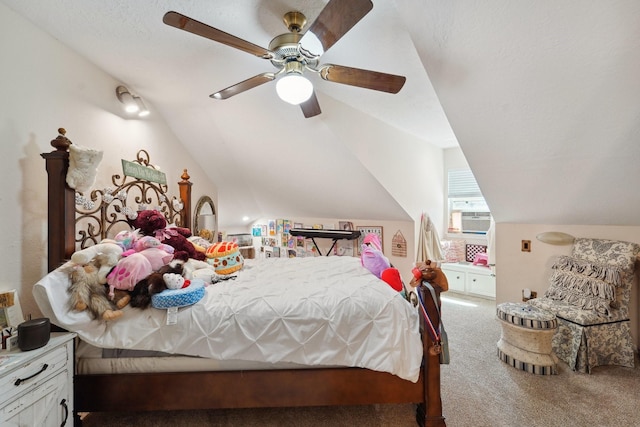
266,159
542,98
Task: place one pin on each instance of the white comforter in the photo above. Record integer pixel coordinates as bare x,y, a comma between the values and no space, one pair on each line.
310,311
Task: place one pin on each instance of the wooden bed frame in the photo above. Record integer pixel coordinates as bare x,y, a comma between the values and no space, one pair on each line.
230,389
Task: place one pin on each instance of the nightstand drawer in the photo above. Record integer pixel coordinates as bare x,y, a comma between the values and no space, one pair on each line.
31,373
45,405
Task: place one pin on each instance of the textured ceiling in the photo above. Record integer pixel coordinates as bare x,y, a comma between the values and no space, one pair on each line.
542,96
175,72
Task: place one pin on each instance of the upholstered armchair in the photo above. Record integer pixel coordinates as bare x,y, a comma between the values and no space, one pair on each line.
589,294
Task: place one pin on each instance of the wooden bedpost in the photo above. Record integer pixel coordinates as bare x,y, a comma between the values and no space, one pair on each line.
185,196
429,413
61,203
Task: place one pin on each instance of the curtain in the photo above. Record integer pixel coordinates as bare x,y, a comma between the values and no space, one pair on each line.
428,241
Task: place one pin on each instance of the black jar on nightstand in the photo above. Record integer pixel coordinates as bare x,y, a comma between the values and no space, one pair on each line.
33,334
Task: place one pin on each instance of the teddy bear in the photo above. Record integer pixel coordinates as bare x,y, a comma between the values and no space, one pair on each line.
87,293
153,223
105,256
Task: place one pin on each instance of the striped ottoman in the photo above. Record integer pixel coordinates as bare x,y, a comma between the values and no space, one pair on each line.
525,342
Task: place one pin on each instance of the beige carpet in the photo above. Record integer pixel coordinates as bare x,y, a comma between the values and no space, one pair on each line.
477,390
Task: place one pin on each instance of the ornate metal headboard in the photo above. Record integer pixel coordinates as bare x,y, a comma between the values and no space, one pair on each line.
76,221
107,211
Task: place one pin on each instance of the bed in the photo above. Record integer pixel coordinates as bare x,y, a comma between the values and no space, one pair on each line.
292,362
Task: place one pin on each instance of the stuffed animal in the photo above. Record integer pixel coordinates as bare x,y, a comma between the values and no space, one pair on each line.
105,255
194,269
392,277
136,266
200,243
87,293
429,271
372,239
127,238
225,257
153,223
153,284
175,281
148,242
206,234
83,167
374,260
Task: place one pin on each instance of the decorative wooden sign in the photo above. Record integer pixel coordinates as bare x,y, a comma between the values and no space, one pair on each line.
139,171
399,245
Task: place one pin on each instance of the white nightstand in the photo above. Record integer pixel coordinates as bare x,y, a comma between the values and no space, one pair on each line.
36,387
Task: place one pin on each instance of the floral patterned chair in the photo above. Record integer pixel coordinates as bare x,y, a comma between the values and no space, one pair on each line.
589,294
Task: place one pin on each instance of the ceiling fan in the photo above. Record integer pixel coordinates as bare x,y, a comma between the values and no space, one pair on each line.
295,53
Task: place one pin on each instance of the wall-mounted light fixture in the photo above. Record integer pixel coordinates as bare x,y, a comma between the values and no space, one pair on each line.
132,104
555,238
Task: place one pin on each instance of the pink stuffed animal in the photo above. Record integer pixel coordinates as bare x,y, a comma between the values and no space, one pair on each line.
135,266
372,257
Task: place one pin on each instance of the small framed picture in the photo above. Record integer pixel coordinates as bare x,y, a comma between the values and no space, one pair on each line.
345,225
368,229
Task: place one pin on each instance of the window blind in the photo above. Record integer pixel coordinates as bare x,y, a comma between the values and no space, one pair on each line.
462,184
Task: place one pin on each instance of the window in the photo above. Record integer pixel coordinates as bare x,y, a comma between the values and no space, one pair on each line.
468,212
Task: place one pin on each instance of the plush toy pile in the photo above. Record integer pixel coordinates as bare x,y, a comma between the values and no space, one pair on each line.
136,265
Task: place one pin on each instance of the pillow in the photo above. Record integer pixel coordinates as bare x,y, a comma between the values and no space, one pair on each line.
584,284
453,250
179,297
225,257
608,252
608,273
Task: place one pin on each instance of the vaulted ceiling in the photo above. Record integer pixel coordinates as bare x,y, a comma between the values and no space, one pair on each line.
542,97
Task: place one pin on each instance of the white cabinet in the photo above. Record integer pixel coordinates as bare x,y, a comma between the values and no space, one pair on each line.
470,279
36,387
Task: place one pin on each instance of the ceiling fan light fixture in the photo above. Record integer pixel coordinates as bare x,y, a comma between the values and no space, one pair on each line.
294,88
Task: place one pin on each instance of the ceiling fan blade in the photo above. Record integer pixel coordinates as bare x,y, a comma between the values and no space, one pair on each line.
338,17
362,78
311,107
182,22
243,86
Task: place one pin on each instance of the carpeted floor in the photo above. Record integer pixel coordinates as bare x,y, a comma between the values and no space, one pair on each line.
477,390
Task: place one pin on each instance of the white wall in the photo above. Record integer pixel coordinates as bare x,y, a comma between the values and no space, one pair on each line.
516,270
45,86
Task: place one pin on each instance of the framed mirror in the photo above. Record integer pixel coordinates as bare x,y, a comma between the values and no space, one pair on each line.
204,218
